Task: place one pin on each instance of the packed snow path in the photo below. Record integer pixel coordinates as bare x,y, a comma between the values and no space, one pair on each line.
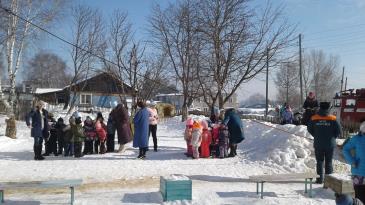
123,179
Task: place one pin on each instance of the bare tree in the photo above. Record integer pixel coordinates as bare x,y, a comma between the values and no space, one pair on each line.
321,74
116,50
47,70
174,31
17,30
155,77
236,39
287,83
87,41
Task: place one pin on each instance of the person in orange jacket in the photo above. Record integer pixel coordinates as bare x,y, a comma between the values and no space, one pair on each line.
206,140
187,137
196,138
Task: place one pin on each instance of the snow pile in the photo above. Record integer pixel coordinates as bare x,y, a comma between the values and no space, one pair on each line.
175,177
285,147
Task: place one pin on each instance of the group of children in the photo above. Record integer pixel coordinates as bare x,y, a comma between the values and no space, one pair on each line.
206,140
68,140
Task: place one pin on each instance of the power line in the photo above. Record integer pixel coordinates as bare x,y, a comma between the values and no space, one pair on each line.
342,28
76,46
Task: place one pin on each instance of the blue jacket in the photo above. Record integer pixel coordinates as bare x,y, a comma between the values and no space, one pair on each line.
356,143
141,126
325,129
35,117
235,127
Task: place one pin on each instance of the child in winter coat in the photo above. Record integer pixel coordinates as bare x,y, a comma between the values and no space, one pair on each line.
187,137
196,138
77,136
60,134
90,135
206,140
223,141
354,153
214,146
100,129
287,115
51,144
68,141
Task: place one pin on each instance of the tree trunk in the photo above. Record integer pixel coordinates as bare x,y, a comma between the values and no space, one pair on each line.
11,127
184,112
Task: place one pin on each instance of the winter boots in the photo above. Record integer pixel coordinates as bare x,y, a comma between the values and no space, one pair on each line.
77,149
142,153
38,152
110,143
121,148
233,150
102,148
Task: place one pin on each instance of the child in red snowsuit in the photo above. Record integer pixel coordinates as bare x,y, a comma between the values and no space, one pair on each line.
214,147
187,137
206,140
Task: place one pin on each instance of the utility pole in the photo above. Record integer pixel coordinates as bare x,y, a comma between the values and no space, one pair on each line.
1,91
300,70
267,82
287,84
343,73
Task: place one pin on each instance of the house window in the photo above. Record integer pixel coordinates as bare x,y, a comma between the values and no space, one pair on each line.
85,99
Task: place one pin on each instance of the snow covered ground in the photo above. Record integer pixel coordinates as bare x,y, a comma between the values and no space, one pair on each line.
115,178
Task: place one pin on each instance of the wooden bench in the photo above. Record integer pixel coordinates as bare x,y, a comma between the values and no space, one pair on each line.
340,184
41,184
283,178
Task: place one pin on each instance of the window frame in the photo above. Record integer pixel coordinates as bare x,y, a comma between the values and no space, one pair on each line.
84,102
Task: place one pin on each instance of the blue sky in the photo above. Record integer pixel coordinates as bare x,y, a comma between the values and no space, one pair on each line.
335,26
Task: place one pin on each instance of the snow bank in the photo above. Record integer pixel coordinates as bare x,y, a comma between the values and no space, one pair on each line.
175,177
285,147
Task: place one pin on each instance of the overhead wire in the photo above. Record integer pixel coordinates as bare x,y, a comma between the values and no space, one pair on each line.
76,46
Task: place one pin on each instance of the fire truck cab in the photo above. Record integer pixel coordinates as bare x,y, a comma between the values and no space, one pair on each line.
349,107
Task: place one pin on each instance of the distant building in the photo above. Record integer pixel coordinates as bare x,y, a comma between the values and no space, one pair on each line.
176,99
199,104
97,91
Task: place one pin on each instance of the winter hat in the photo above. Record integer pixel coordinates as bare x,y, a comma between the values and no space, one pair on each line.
60,120
324,105
76,114
113,104
204,124
99,115
189,121
362,127
153,103
311,95
196,125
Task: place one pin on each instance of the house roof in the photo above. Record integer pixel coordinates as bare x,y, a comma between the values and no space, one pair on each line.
102,82
47,90
170,94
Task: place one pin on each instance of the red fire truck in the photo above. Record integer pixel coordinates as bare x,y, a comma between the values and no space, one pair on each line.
349,107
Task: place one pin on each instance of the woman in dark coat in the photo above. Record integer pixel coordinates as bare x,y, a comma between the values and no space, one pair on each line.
120,118
37,120
235,129
141,128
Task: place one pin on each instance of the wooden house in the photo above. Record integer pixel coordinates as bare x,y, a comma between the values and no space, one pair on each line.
97,91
